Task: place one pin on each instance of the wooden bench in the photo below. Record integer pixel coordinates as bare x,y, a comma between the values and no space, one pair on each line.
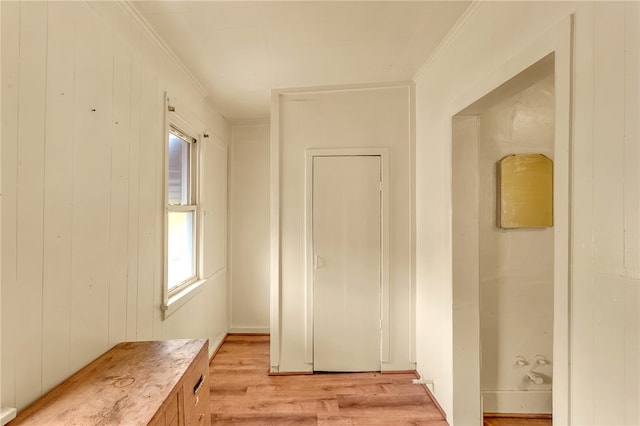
134,383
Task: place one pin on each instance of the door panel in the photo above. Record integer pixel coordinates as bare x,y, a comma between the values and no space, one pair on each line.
347,263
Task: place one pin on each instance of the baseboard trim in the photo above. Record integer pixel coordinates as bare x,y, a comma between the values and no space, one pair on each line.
398,372
247,334
249,330
7,414
435,401
220,343
307,373
432,397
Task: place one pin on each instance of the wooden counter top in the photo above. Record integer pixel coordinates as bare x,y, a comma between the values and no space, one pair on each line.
127,385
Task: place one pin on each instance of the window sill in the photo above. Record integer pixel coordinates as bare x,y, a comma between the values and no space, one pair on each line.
176,301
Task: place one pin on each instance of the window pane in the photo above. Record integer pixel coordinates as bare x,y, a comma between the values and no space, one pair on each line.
181,261
178,170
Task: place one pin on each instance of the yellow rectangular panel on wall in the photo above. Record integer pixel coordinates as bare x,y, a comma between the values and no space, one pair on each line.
525,191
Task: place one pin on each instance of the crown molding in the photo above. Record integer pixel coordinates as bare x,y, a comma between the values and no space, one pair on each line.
353,87
449,38
135,15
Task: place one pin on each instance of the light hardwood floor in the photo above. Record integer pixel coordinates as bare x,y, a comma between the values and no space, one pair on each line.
242,393
516,421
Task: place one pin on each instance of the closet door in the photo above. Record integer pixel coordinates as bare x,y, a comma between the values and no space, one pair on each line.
347,203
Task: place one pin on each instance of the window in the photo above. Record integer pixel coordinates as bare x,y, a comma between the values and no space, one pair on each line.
182,255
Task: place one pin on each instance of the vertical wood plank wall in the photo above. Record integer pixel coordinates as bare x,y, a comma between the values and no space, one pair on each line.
82,185
58,196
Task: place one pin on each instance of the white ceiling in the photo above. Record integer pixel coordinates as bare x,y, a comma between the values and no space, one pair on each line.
240,50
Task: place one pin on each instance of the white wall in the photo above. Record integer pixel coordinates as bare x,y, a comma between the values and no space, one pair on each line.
350,118
1,409
249,228
604,295
465,275
82,185
516,265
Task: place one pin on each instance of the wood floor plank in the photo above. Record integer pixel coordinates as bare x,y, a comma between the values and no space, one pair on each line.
516,421
382,401
368,389
243,393
267,419
278,405
375,421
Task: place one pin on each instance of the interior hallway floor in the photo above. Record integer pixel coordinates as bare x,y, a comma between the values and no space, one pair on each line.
243,393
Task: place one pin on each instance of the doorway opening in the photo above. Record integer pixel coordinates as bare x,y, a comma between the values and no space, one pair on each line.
504,280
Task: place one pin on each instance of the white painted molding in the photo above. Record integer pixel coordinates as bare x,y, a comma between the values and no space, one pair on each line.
274,233
450,37
215,345
342,88
249,330
175,302
412,225
148,29
6,415
1,120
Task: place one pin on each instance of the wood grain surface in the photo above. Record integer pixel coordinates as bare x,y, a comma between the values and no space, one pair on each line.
517,421
243,393
124,386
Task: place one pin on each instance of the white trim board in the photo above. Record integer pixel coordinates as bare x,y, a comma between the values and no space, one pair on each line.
340,88
249,330
275,322
6,415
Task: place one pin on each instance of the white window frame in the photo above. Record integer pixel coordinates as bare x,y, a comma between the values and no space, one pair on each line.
177,296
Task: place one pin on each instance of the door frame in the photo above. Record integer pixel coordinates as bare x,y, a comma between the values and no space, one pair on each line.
309,155
466,397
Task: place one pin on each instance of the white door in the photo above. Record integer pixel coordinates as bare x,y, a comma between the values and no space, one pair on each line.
347,216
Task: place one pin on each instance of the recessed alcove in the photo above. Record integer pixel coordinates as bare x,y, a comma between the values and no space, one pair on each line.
503,279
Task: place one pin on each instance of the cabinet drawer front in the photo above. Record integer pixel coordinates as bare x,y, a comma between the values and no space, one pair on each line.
196,393
196,389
